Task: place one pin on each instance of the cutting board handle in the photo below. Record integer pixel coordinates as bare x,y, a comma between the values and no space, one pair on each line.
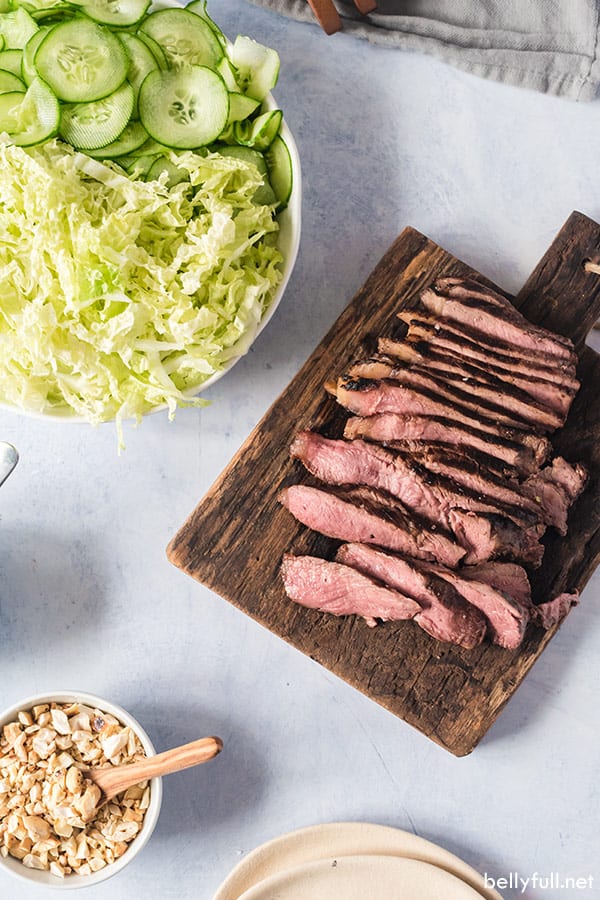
563,291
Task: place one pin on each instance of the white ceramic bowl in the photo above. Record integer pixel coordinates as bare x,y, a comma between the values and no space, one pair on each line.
35,876
288,242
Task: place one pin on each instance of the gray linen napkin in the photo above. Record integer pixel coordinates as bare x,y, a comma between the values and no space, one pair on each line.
548,45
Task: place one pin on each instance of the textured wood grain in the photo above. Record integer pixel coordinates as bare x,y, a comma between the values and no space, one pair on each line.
234,540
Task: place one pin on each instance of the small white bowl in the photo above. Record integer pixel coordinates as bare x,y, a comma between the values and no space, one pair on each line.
71,882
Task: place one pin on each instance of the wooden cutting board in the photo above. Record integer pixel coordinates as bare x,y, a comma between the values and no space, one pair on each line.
234,540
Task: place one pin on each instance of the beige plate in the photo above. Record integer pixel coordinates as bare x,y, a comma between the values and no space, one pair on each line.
343,839
358,877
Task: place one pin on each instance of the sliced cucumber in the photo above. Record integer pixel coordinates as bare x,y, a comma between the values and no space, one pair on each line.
139,166
184,108
10,61
264,194
260,132
131,138
9,82
228,73
32,117
155,49
281,176
185,38
141,62
81,61
240,106
88,126
28,69
116,12
198,7
175,175
16,27
258,66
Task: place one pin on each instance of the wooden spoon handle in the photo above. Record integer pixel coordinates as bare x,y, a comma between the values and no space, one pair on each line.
113,781
326,15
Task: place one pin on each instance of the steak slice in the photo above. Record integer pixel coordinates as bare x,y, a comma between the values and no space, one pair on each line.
356,516
555,488
506,577
490,536
525,457
426,494
343,591
486,311
464,341
540,495
367,397
515,406
479,400
446,615
507,619
550,612
527,387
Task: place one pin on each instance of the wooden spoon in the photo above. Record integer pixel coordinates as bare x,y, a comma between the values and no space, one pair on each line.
115,779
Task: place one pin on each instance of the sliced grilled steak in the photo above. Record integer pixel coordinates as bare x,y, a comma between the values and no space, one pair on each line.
490,536
478,399
507,578
525,457
428,495
525,387
367,397
555,488
445,615
356,516
507,619
551,612
572,478
472,345
515,406
343,591
539,496
491,314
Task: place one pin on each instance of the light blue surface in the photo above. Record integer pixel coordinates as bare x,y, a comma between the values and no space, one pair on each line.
88,599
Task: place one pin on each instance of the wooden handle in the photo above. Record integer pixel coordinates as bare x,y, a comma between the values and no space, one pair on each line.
117,779
326,15
365,6
565,271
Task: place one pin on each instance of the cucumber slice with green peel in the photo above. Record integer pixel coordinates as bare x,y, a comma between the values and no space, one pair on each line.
198,7
281,174
155,49
52,15
31,117
141,165
175,175
131,138
9,82
115,12
89,126
28,69
257,66
10,61
264,194
16,27
240,107
150,147
81,61
228,73
141,62
258,133
184,108
185,38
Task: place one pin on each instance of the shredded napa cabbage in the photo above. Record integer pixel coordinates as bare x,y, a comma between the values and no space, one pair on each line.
118,295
